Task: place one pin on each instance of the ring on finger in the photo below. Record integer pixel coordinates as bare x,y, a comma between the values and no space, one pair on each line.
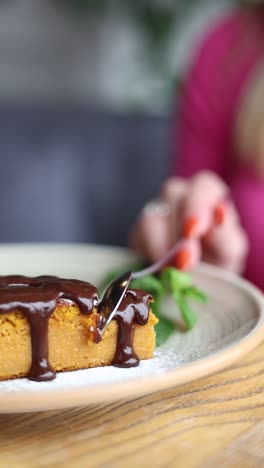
156,207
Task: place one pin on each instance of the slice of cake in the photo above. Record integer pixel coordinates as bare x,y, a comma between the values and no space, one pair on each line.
49,324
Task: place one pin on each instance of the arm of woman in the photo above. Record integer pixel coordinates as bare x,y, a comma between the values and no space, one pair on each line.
200,149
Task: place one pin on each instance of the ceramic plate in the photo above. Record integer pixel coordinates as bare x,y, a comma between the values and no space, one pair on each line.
230,325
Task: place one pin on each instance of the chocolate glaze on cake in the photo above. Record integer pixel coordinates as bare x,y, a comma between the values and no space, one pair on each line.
37,299
133,309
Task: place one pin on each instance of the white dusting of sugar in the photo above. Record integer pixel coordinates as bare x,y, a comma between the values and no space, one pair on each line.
86,377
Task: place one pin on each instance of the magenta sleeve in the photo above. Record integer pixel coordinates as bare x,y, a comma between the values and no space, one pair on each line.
206,112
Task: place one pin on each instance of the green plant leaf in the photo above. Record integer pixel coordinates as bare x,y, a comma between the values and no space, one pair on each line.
188,315
192,292
173,279
165,327
150,284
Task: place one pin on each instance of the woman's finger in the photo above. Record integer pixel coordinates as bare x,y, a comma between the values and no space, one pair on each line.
205,192
188,255
173,193
150,236
227,245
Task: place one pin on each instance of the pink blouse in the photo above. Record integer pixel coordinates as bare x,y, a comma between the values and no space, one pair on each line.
210,98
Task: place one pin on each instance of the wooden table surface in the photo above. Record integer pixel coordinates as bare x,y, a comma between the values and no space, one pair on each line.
214,422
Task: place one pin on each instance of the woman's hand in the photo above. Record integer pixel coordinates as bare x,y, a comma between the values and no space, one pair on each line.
199,212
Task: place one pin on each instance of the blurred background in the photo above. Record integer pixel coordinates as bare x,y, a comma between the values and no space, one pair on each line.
88,90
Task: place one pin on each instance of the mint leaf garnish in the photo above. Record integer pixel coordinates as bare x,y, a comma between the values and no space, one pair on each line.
169,282
149,283
196,294
165,327
173,279
188,315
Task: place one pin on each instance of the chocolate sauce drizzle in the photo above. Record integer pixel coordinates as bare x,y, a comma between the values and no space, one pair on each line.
133,309
37,299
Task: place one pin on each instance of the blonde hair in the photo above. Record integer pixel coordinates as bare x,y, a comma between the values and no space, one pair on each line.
249,125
